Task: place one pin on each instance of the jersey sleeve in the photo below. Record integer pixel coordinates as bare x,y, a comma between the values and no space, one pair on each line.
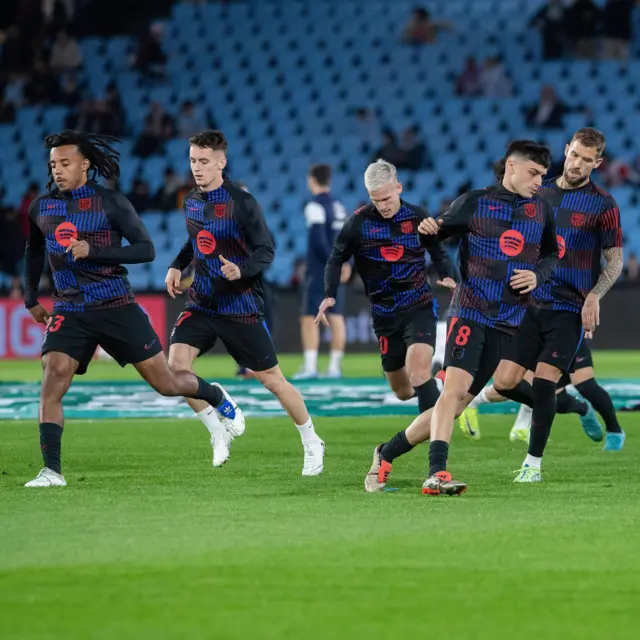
316,219
258,238
124,218
438,254
456,219
610,227
342,251
184,257
548,258
34,258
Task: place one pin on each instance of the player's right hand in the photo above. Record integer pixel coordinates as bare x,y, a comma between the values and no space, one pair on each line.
173,282
40,314
327,303
429,227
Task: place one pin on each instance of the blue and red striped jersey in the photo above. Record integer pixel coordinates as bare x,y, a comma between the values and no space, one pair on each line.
102,218
389,255
226,222
587,221
501,231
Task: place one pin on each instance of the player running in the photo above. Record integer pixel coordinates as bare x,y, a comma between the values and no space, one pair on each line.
508,248
390,258
81,226
324,217
588,225
230,244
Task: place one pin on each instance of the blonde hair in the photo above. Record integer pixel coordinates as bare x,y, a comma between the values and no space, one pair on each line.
379,174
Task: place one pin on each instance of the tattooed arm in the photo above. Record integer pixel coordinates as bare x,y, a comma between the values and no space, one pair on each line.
608,277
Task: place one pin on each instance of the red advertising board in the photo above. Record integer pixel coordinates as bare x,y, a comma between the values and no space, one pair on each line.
21,337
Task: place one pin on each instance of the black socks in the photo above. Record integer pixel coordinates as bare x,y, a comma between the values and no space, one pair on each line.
438,453
522,393
566,403
427,394
50,436
544,411
208,392
601,402
396,447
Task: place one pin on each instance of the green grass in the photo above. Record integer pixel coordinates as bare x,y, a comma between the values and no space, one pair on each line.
610,364
149,541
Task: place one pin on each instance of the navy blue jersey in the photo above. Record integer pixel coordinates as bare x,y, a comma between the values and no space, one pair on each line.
501,231
102,218
389,255
324,217
226,222
587,221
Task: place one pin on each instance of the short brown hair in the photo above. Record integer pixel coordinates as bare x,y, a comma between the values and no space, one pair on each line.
591,137
209,140
321,173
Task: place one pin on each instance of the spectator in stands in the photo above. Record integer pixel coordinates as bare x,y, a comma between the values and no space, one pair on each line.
421,29
616,172
616,28
167,197
414,150
551,20
150,59
468,82
494,82
148,142
389,151
58,10
190,121
140,197
162,124
549,111
17,55
70,91
66,54
42,87
366,125
115,109
582,20
632,268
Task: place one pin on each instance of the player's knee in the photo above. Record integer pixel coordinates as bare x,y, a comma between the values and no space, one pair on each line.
166,385
453,395
417,378
179,364
504,381
273,381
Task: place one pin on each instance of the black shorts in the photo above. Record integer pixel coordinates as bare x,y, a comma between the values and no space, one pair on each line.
313,294
583,359
476,349
250,345
125,333
552,337
397,333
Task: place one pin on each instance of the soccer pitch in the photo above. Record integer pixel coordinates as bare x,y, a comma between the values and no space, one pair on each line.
149,541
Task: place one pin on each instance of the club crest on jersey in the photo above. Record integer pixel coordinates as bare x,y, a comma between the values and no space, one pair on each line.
219,210
84,204
206,242
577,219
530,210
511,243
392,253
406,226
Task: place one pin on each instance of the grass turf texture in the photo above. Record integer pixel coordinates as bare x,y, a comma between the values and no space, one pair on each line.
149,541
609,364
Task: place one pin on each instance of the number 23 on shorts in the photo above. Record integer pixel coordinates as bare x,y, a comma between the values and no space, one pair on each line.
462,334
54,323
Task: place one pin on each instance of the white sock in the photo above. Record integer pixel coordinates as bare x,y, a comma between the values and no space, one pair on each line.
209,419
439,385
307,432
532,461
310,360
523,421
481,398
335,358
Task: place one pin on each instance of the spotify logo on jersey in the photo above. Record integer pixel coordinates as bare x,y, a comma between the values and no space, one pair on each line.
511,243
206,242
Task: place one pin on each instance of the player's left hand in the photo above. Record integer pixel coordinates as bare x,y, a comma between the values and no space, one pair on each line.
345,274
327,303
447,283
229,270
79,249
523,281
591,312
